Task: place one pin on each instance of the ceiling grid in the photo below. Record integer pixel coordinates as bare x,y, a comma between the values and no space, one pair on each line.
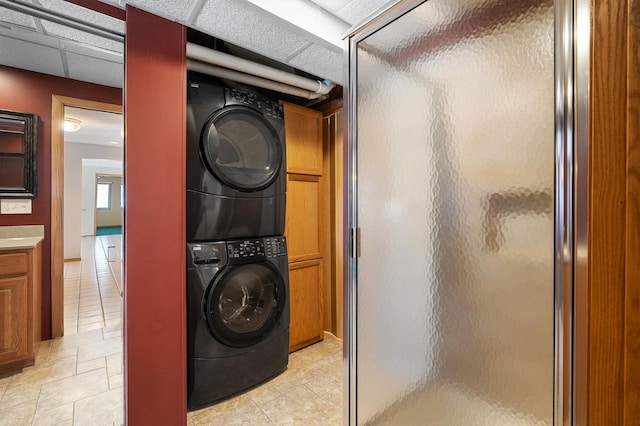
305,34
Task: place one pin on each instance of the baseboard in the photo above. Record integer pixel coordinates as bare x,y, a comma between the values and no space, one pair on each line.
73,259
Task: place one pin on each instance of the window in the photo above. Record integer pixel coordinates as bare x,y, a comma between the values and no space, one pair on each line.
103,196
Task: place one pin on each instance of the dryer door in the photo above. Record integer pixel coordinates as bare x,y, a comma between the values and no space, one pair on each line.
241,148
244,303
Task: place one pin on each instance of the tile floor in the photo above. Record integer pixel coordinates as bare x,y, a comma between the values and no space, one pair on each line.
77,379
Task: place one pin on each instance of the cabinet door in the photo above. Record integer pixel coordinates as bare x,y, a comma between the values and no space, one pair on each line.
305,287
14,309
303,131
304,223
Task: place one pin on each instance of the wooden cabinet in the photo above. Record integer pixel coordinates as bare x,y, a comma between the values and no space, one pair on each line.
306,303
304,224
20,300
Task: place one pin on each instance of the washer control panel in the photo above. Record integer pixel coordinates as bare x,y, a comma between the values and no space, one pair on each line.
267,107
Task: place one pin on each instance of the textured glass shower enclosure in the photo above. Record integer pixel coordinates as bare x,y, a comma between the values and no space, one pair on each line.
453,127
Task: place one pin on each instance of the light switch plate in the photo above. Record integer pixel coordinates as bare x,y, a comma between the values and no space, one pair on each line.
15,206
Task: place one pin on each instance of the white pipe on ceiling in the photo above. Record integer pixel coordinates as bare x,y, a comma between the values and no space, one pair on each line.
250,79
220,59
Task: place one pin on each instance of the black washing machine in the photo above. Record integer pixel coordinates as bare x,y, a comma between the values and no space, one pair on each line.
236,164
237,316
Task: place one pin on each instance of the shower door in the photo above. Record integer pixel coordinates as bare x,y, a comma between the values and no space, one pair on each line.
453,133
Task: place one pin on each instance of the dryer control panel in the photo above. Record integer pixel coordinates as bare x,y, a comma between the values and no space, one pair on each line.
268,108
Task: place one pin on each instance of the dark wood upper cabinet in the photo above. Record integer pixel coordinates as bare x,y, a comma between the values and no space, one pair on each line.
18,160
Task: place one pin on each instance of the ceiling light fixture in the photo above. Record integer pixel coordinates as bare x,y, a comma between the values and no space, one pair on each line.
115,143
71,125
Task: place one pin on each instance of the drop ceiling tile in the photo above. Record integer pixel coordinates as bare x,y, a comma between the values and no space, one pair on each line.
356,11
321,62
37,58
83,14
86,50
86,68
331,5
248,26
65,32
115,3
17,19
172,9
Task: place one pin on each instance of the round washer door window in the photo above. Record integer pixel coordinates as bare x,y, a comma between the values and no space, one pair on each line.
242,149
244,303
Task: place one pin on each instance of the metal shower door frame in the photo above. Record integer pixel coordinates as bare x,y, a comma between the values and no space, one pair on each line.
571,82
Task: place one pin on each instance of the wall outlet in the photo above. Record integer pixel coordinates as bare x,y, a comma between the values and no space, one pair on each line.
15,206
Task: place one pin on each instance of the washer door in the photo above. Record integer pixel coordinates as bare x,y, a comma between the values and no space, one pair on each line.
241,148
244,303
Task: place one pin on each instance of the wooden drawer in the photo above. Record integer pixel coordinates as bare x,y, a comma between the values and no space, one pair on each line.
13,263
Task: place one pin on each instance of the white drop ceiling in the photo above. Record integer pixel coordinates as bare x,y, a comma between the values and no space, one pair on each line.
96,127
304,34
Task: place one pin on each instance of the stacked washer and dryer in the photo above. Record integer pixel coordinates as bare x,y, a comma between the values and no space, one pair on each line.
237,266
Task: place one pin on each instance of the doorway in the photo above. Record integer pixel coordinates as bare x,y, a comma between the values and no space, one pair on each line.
59,103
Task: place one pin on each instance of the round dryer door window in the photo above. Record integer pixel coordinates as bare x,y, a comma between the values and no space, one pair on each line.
242,149
244,303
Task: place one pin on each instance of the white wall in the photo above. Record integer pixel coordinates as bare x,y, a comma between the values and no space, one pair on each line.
74,191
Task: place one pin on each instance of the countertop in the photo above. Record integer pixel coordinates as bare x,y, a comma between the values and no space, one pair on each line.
20,237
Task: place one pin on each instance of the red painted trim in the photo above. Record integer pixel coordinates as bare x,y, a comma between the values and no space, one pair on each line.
154,301
104,8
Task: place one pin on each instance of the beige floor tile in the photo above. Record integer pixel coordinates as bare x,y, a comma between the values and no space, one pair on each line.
291,378
72,389
249,416
92,326
79,339
321,384
46,372
18,415
92,364
70,327
110,300
43,351
113,322
264,393
4,382
112,307
111,334
112,316
84,320
67,353
300,406
335,397
55,416
116,381
330,366
90,312
114,364
333,417
100,349
236,404
103,408
18,394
